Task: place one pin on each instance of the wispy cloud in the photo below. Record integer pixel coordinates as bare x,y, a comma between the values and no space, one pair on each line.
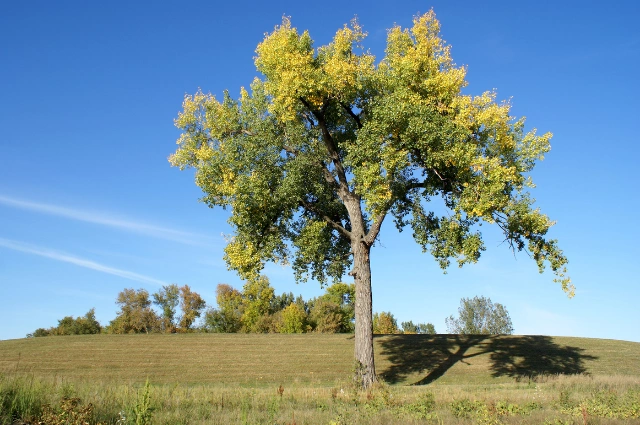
105,220
81,262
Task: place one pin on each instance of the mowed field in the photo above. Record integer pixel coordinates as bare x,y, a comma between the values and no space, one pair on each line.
313,359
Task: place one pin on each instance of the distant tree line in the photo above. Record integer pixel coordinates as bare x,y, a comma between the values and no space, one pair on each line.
256,309
84,325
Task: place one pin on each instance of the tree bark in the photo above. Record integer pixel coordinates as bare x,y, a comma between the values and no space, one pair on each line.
365,373
361,243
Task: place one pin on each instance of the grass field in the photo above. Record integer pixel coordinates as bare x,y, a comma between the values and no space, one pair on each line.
234,378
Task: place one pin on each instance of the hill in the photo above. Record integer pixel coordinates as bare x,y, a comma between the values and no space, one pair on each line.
316,360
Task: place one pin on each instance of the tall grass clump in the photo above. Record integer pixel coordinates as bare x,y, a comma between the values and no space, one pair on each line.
552,400
21,397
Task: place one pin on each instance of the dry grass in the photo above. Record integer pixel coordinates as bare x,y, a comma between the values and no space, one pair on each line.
238,359
478,360
341,405
304,379
313,359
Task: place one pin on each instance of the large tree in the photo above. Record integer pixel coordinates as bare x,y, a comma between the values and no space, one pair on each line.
329,142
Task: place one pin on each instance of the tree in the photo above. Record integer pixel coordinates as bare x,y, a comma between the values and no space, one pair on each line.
421,328
280,302
479,316
314,157
167,299
294,320
326,316
39,333
385,323
257,296
86,325
191,305
135,315
228,316
333,312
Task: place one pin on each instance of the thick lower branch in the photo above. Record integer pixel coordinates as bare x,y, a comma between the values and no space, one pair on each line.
375,228
308,206
329,177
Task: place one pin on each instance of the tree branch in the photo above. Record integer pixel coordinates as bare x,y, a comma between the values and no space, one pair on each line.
329,143
416,185
292,151
438,174
352,114
329,177
326,218
375,228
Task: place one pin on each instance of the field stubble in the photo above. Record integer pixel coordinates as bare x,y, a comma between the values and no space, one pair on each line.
281,379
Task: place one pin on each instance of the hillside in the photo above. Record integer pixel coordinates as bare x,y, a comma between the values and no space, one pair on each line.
317,360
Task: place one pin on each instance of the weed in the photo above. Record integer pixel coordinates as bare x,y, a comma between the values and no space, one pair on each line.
564,402
465,408
273,408
280,390
245,408
423,408
142,410
70,412
505,408
557,421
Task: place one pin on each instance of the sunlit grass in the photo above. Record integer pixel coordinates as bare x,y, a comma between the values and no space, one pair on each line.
228,379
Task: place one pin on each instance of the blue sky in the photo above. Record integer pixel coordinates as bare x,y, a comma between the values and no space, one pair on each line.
89,204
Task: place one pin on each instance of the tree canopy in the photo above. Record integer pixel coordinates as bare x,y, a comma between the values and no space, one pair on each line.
315,155
478,316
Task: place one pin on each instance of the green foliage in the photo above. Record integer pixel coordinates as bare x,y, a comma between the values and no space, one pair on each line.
280,302
31,400
420,328
294,320
167,299
40,332
142,410
465,408
228,316
257,295
191,304
257,309
505,408
334,311
479,316
135,315
603,403
20,397
327,129
328,317
423,408
385,323
85,325
316,154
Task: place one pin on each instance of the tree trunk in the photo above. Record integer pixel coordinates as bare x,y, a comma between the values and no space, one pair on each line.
365,373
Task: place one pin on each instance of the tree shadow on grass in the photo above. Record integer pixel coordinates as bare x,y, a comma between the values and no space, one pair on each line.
514,356
535,355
